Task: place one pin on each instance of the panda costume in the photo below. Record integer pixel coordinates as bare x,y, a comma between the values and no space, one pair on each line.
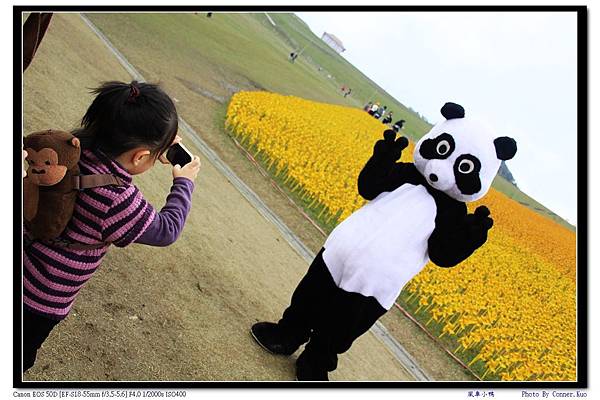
416,213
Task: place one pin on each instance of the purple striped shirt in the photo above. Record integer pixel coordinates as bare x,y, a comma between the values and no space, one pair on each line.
52,276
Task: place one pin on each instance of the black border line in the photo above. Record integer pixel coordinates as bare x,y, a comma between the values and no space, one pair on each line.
17,190
582,205
582,196
288,8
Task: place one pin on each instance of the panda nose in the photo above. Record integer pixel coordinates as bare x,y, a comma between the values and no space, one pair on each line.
433,177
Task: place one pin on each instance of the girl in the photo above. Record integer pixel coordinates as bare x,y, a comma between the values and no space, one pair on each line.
124,131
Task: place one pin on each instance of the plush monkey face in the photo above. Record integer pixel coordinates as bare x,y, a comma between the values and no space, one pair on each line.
44,169
50,154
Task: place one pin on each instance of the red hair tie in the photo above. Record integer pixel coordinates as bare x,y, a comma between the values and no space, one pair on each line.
134,92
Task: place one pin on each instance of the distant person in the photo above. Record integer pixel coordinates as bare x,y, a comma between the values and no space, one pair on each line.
348,92
388,118
374,109
398,125
380,112
209,15
293,56
367,106
124,131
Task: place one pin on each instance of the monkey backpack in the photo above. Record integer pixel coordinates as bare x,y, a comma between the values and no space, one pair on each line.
52,183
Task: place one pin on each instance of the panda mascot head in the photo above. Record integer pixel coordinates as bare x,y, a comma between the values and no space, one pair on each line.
460,156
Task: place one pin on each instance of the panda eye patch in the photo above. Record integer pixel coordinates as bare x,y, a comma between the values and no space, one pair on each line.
466,172
467,164
439,147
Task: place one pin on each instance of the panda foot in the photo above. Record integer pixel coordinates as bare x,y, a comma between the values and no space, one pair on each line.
307,371
269,336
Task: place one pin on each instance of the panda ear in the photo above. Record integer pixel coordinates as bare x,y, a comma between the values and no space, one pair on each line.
506,147
452,110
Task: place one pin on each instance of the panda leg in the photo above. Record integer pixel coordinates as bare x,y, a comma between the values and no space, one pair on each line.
362,313
298,320
310,296
350,315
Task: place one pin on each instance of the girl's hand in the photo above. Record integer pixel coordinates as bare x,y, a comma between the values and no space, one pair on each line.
189,170
162,157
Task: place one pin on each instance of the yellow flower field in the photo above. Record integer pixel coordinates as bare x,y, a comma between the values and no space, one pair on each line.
509,310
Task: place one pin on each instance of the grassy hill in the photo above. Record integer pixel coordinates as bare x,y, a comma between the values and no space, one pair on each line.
246,51
299,36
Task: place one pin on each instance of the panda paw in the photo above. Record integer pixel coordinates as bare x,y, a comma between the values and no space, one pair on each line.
482,215
479,223
389,147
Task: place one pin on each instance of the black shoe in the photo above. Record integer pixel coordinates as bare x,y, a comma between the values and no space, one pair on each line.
269,336
308,371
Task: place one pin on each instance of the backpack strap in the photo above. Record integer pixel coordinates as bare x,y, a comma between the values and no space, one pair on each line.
64,243
81,182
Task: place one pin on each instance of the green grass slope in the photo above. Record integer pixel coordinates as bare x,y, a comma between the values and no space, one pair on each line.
299,36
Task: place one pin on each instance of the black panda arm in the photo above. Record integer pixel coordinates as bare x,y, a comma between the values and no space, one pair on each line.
458,234
378,176
382,173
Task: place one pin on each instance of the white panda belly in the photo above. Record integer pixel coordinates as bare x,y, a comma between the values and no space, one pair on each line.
381,246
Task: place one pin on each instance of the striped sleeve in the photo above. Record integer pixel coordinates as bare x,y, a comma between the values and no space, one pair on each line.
128,217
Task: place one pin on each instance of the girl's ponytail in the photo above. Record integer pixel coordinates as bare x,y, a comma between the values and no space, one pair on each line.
134,92
124,116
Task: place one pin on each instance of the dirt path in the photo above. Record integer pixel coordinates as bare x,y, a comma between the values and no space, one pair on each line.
182,312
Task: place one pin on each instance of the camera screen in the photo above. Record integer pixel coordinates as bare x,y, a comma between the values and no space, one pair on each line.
178,155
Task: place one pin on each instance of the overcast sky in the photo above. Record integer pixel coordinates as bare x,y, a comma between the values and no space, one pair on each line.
516,70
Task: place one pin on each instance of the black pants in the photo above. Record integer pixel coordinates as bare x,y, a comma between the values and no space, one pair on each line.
328,316
36,329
